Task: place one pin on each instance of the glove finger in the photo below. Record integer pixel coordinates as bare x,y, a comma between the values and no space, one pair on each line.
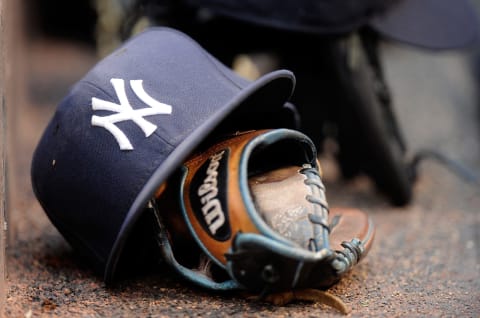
347,223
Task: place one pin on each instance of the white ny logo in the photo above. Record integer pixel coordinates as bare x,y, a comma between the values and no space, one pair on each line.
124,111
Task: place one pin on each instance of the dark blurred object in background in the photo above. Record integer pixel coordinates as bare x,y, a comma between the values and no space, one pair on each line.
333,49
65,20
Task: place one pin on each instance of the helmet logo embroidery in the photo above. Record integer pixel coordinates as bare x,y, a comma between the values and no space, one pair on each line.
124,111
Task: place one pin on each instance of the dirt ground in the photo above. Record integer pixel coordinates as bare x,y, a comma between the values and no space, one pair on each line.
425,260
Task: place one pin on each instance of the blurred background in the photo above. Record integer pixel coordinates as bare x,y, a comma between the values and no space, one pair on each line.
427,108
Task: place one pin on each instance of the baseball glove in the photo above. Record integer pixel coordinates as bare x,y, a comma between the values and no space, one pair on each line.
250,213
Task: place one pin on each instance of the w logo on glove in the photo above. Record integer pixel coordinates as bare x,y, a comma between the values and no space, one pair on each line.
124,111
